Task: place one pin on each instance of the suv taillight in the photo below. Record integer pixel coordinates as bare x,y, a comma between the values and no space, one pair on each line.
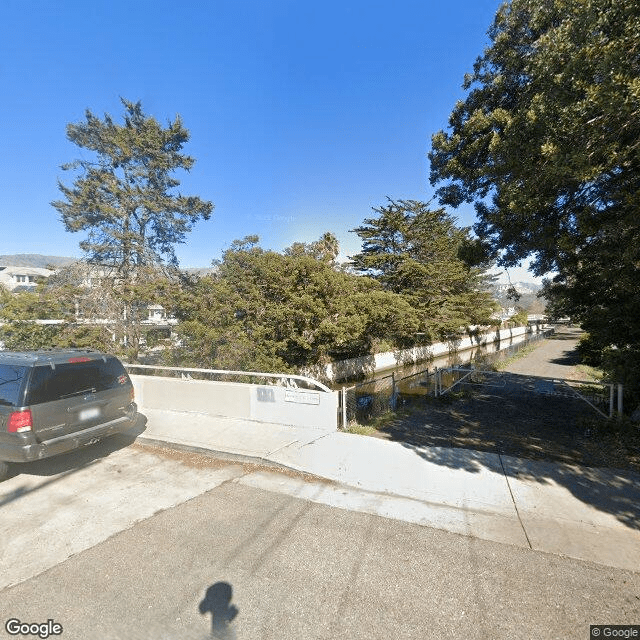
19,421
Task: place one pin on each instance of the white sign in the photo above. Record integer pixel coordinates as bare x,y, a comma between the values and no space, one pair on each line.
301,397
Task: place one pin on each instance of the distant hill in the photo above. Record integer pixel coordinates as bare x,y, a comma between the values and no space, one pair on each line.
42,262
528,296
200,271
35,260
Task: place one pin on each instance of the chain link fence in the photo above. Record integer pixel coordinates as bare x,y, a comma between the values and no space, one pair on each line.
368,400
362,403
365,401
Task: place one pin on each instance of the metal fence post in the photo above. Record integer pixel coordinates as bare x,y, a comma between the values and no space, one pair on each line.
620,401
435,383
611,400
344,407
393,391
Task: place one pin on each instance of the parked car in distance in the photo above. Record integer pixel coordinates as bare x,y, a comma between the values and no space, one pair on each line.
54,401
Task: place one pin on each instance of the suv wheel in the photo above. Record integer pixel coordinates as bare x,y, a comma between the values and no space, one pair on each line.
4,470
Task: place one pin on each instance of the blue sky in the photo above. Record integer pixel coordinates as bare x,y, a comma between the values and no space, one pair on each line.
302,115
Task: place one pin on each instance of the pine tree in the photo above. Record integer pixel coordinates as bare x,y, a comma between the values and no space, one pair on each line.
421,254
125,199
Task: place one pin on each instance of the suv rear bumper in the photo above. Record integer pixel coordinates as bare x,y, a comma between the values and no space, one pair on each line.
26,452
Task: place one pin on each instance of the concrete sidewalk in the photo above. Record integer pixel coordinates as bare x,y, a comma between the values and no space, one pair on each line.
581,512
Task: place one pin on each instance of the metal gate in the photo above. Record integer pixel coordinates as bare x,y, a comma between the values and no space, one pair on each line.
600,396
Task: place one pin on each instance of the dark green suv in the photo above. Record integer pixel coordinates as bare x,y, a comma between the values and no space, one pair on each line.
55,401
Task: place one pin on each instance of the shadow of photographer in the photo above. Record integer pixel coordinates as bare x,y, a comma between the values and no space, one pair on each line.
217,602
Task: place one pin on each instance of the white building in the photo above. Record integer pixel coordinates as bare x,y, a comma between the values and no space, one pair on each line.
26,278
16,278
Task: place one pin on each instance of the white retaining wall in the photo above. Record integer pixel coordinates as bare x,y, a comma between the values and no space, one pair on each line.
392,359
259,403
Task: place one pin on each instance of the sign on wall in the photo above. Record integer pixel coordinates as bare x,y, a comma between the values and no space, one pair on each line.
301,397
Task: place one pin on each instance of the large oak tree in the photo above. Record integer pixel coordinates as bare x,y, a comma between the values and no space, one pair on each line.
547,145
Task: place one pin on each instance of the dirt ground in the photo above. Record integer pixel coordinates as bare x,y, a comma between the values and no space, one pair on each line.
520,423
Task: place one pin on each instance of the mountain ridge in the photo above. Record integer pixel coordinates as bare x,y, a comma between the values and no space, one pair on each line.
42,261
38,260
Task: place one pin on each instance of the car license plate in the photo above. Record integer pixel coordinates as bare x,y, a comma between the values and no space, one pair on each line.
89,414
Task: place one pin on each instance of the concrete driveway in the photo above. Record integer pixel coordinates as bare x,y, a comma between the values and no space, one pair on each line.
124,542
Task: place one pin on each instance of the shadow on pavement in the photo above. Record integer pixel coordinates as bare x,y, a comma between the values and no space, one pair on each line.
566,333
538,438
217,602
569,357
73,461
608,490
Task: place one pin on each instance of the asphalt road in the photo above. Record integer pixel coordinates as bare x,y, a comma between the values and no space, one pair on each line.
553,357
120,542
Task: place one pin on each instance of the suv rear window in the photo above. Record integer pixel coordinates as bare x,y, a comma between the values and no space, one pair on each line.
72,379
11,378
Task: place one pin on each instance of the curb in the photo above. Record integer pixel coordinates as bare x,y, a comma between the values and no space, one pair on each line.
225,455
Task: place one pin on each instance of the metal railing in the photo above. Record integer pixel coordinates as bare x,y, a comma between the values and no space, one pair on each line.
289,380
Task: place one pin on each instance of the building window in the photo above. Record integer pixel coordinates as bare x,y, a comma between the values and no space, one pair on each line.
157,314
